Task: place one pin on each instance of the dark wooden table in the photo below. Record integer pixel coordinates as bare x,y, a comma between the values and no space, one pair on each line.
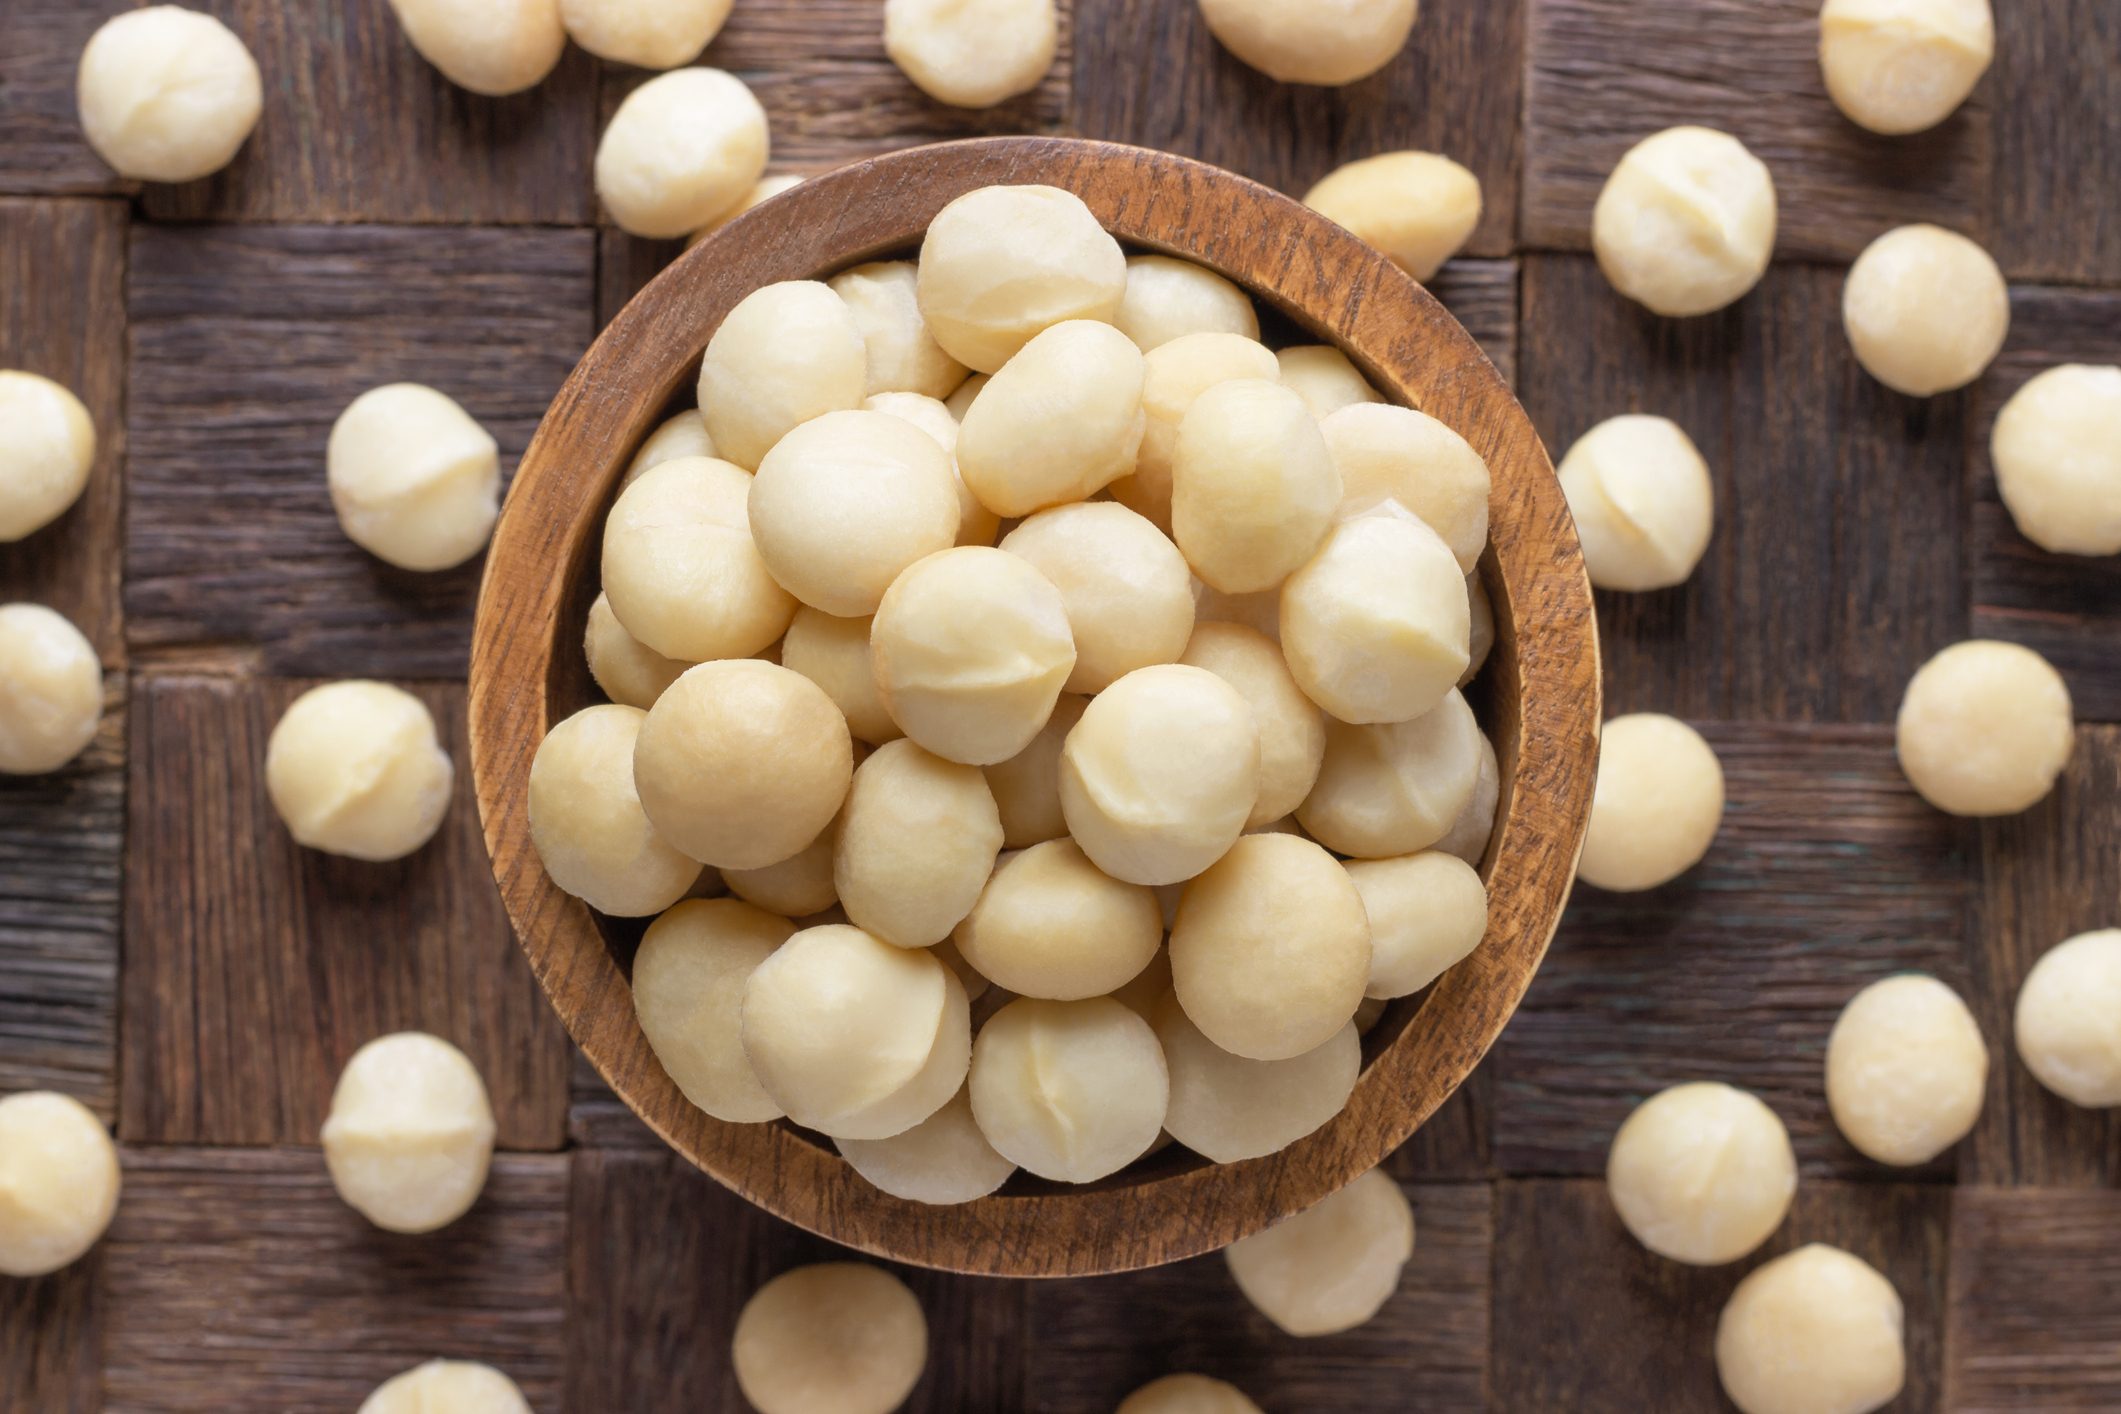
168,956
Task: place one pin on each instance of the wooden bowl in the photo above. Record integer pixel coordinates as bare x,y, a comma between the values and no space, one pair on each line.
1541,690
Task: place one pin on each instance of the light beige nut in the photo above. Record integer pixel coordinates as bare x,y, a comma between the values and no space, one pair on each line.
1070,1091
1174,373
836,1338
47,449
1397,787
1686,222
1228,1109
1427,913
903,355
455,1386
1333,1266
1985,728
1324,377
942,1161
587,823
1051,924
1903,66
492,47
682,149
2057,454
356,769
1816,1331
1656,806
630,672
410,1134
168,94
51,691
1395,460
1253,488
1059,422
1292,731
1127,590
1926,310
972,53
2068,1019
1469,834
1027,786
1906,1070
1377,626
688,991
655,34
59,1182
834,653
1702,1173
682,568
1419,208
1003,263
1642,501
1330,44
1168,298
1187,1394
786,354
915,844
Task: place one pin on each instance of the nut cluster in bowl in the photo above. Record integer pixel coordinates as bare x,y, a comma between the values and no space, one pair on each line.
1067,689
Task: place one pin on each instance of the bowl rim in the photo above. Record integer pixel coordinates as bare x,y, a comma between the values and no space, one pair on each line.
1332,284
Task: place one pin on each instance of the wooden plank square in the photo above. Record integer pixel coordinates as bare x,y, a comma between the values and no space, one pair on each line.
51,1340
1836,566
42,148
1605,74
254,968
1591,1322
237,1279
1482,294
2033,1320
598,1119
1151,73
2056,59
358,127
248,342
1829,874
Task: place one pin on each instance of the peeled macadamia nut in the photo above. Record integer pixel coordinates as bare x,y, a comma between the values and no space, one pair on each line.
1027,786
1394,460
762,191
1051,924
1174,374
1331,1267
447,1387
2069,1019
903,356
1905,1070
1985,728
2057,455
682,149
58,1182
683,569
683,434
688,990
943,1160
1187,1394
834,653
1702,1173
1252,485
1419,208
742,764
1001,264
1816,1331
1901,66
1686,223
1292,731
800,886
1070,1091
47,448
1061,421
972,53
1657,804
1427,913
355,768
167,94
587,823
1377,626
1926,310
786,354
1395,788
410,1134
1128,592
414,481
1642,501
915,844
51,691
1469,834
835,1338
1228,1109
1324,378
630,672
1160,775
976,525
492,47
1329,42
1168,298
655,34
971,647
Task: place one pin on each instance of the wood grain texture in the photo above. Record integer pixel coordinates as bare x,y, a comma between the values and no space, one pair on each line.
1482,295
2033,1320
62,315
2060,63
42,149
598,1119
247,344
1837,565
1150,72
254,968
51,1340
1604,74
239,1280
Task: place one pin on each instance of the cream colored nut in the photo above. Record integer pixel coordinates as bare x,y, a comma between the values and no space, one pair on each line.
1686,223
683,434
630,672
960,402
1427,913
1253,488
655,34
1926,310
1702,1173
1175,373
447,1387
1483,636
834,653
1292,731
682,149
971,647
1228,1109
688,991
51,691
943,1160
742,764
2057,454
1332,43
682,566
1397,460
414,480
47,448
1657,804
1324,377
1259,612
355,768
1395,788
1070,1091
976,525
1901,66
972,53
1001,264
1468,837
845,502
1160,775
59,1182
1128,592
410,1133
915,844
786,354
1051,924
1027,786
835,1338
1061,420
1270,953
1985,728
762,191
1816,1331
1419,208
167,94
1168,298
2069,1019
1377,626
1905,1070
903,355
587,822
1333,1266
1642,500
1187,1394
800,886
493,47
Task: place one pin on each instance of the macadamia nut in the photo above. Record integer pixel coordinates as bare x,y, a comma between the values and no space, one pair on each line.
1061,420
2069,1019
762,191
2057,455
1377,626
1187,1394
1657,804
1926,310
492,47
689,978
786,354
1397,787
1128,592
1469,834
1702,1173
903,355
800,886
682,149
976,525
682,567
1252,485
447,1387
59,1182
1419,208
1686,223
834,653
835,1338
1642,501
1331,1267
943,1160
1001,264
655,34
1329,42
47,448
683,434
1905,1070
1394,459
1324,377
1168,298
630,672
51,691
355,768
1051,924
1227,1108
587,823
1027,786
915,844
410,1134
1985,728
972,53
1427,913
1174,374
1902,66
414,481
1816,1331
167,94
1070,1091
1292,731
